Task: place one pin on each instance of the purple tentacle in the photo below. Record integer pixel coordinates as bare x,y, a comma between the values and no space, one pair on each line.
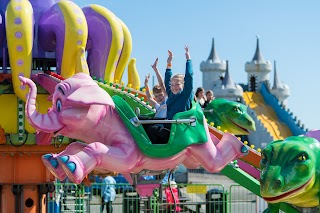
99,31
52,32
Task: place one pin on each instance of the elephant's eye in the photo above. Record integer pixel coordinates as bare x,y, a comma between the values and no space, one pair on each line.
59,105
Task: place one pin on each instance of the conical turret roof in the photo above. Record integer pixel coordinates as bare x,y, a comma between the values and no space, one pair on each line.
277,84
258,55
227,80
213,54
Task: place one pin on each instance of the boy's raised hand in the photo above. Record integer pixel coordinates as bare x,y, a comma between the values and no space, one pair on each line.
154,65
169,57
146,80
187,52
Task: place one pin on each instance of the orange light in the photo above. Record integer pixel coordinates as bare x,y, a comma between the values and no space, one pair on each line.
2,136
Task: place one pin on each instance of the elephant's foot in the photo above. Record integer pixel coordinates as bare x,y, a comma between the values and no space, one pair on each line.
73,167
52,164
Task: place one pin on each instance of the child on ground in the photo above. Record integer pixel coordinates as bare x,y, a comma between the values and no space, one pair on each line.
158,101
180,95
209,96
108,193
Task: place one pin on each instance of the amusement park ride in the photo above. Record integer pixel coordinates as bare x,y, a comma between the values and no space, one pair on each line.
60,83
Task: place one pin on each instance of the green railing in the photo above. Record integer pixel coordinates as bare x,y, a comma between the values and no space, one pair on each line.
194,198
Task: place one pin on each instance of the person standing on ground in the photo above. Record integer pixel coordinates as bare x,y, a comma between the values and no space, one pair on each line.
108,193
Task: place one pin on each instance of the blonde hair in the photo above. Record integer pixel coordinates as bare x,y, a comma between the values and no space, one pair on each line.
156,89
179,77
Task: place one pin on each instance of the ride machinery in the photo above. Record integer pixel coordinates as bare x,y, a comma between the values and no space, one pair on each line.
36,36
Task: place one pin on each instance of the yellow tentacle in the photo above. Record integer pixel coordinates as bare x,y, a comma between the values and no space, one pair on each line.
19,29
76,35
125,53
81,65
117,41
133,75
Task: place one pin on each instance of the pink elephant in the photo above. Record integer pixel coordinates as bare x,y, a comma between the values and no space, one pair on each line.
84,111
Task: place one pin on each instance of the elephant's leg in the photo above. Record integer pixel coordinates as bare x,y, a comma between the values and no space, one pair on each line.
119,158
50,160
213,158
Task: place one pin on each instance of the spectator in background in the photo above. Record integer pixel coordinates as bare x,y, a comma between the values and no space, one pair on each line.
209,97
108,193
201,99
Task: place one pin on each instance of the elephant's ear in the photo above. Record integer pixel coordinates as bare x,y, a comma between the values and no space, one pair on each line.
89,95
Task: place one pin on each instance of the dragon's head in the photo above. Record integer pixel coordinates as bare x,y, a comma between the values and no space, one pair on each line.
288,171
229,115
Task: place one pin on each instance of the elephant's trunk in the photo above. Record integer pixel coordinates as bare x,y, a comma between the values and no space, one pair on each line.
44,122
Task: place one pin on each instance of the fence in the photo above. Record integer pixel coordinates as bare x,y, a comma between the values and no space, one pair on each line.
194,198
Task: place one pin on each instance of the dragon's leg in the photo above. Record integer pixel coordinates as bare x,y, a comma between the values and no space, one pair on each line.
216,157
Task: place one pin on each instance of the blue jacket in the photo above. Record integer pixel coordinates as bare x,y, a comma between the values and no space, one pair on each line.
108,192
181,101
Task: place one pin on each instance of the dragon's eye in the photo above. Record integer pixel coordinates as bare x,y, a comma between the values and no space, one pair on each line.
302,157
59,105
237,109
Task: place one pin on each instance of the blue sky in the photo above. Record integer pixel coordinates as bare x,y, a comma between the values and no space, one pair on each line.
289,33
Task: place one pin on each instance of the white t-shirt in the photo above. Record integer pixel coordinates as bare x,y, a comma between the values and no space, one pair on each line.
161,109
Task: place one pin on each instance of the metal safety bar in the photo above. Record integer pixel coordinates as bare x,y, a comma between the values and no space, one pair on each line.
208,110
136,122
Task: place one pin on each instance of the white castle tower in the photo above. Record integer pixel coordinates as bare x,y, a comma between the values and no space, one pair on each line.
258,70
279,89
212,69
227,88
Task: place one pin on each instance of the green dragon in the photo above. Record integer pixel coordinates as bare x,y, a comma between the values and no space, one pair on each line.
230,116
290,171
